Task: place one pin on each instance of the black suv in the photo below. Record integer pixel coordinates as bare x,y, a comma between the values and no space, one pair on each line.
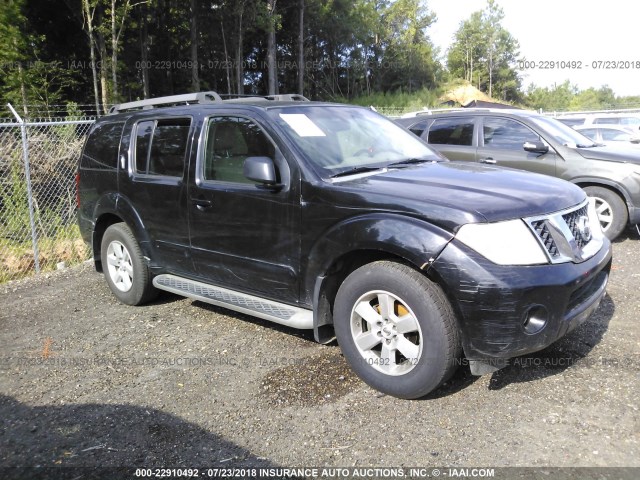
528,141
333,218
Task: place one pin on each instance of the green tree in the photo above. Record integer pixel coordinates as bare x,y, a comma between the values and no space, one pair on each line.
485,53
557,98
25,77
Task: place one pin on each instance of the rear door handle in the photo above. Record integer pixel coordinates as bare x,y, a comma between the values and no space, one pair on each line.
201,203
488,160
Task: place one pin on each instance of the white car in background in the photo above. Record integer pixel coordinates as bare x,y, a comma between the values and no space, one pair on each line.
627,120
610,134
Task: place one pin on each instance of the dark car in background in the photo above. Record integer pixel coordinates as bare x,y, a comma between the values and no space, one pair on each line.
528,141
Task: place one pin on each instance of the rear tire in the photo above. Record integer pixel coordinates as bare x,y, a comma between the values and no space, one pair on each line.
396,329
124,267
611,209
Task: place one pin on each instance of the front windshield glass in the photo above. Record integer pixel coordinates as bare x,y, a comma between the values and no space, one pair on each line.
337,139
562,133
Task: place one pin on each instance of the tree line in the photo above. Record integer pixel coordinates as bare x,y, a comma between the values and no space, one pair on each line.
101,52
116,50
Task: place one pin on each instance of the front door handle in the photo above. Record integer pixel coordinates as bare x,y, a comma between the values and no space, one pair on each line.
201,203
489,160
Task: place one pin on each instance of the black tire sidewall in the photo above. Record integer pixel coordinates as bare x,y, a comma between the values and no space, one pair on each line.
415,290
138,292
618,207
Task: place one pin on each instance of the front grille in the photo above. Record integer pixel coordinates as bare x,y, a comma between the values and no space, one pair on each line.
572,222
542,230
561,237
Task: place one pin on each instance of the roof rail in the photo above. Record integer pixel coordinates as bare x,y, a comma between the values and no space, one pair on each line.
285,97
188,98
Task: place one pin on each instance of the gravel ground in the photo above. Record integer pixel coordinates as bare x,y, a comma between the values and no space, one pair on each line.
86,381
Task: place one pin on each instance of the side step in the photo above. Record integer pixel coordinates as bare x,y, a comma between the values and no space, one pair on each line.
240,302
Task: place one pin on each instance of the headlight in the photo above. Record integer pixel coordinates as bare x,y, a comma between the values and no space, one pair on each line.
504,243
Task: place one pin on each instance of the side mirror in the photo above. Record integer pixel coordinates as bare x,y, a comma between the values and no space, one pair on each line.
260,170
535,147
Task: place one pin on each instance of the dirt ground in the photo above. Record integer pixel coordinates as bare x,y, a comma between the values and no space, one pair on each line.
86,381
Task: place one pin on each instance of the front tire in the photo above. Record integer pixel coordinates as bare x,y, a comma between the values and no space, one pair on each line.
396,329
611,210
124,266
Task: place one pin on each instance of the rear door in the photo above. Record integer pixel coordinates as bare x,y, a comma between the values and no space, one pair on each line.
502,142
244,236
453,136
155,183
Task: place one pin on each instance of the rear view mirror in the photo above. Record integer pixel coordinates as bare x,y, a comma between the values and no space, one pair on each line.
535,147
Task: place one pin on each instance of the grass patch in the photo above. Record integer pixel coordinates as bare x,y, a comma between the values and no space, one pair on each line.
17,258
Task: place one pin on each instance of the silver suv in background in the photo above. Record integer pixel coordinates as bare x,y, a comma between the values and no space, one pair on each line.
529,141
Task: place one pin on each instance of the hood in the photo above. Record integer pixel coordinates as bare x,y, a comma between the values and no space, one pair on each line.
612,153
454,193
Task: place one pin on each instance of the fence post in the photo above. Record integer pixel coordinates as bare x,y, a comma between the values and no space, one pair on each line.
27,174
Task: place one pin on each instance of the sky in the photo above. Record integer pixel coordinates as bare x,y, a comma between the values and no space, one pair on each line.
582,32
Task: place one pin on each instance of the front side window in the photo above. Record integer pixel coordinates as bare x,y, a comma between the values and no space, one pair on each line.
161,146
452,131
615,135
229,141
591,133
419,128
506,134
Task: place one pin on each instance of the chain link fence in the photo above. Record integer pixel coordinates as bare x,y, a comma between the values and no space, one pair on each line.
38,161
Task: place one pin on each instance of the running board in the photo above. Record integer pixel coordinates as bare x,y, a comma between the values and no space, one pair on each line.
240,302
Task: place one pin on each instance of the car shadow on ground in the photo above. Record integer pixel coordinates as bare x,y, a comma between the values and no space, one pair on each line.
571,351
630,233
86,440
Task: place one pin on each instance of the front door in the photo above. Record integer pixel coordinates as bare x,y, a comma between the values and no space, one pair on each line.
502,143
242,235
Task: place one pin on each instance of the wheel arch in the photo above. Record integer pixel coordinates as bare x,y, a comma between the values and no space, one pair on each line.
614,187
363,240
114,210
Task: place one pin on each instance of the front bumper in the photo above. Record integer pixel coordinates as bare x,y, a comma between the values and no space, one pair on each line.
494,301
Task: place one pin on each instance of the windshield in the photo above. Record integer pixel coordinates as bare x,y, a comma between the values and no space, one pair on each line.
563,134
337,140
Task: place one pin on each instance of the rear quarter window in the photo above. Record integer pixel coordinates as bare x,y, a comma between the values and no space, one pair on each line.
101,149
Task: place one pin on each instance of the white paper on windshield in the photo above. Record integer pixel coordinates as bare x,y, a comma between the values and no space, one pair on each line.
302,125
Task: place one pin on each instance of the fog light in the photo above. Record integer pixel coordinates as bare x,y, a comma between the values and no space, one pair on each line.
535,319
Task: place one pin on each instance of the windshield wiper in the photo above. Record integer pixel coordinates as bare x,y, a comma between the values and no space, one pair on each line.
354,171
591,145
411,161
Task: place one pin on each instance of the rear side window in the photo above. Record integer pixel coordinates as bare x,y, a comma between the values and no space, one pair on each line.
507,134
452,131
161,146
101,150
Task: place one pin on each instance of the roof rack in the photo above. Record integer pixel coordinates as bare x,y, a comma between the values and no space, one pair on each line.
285,97
188,98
